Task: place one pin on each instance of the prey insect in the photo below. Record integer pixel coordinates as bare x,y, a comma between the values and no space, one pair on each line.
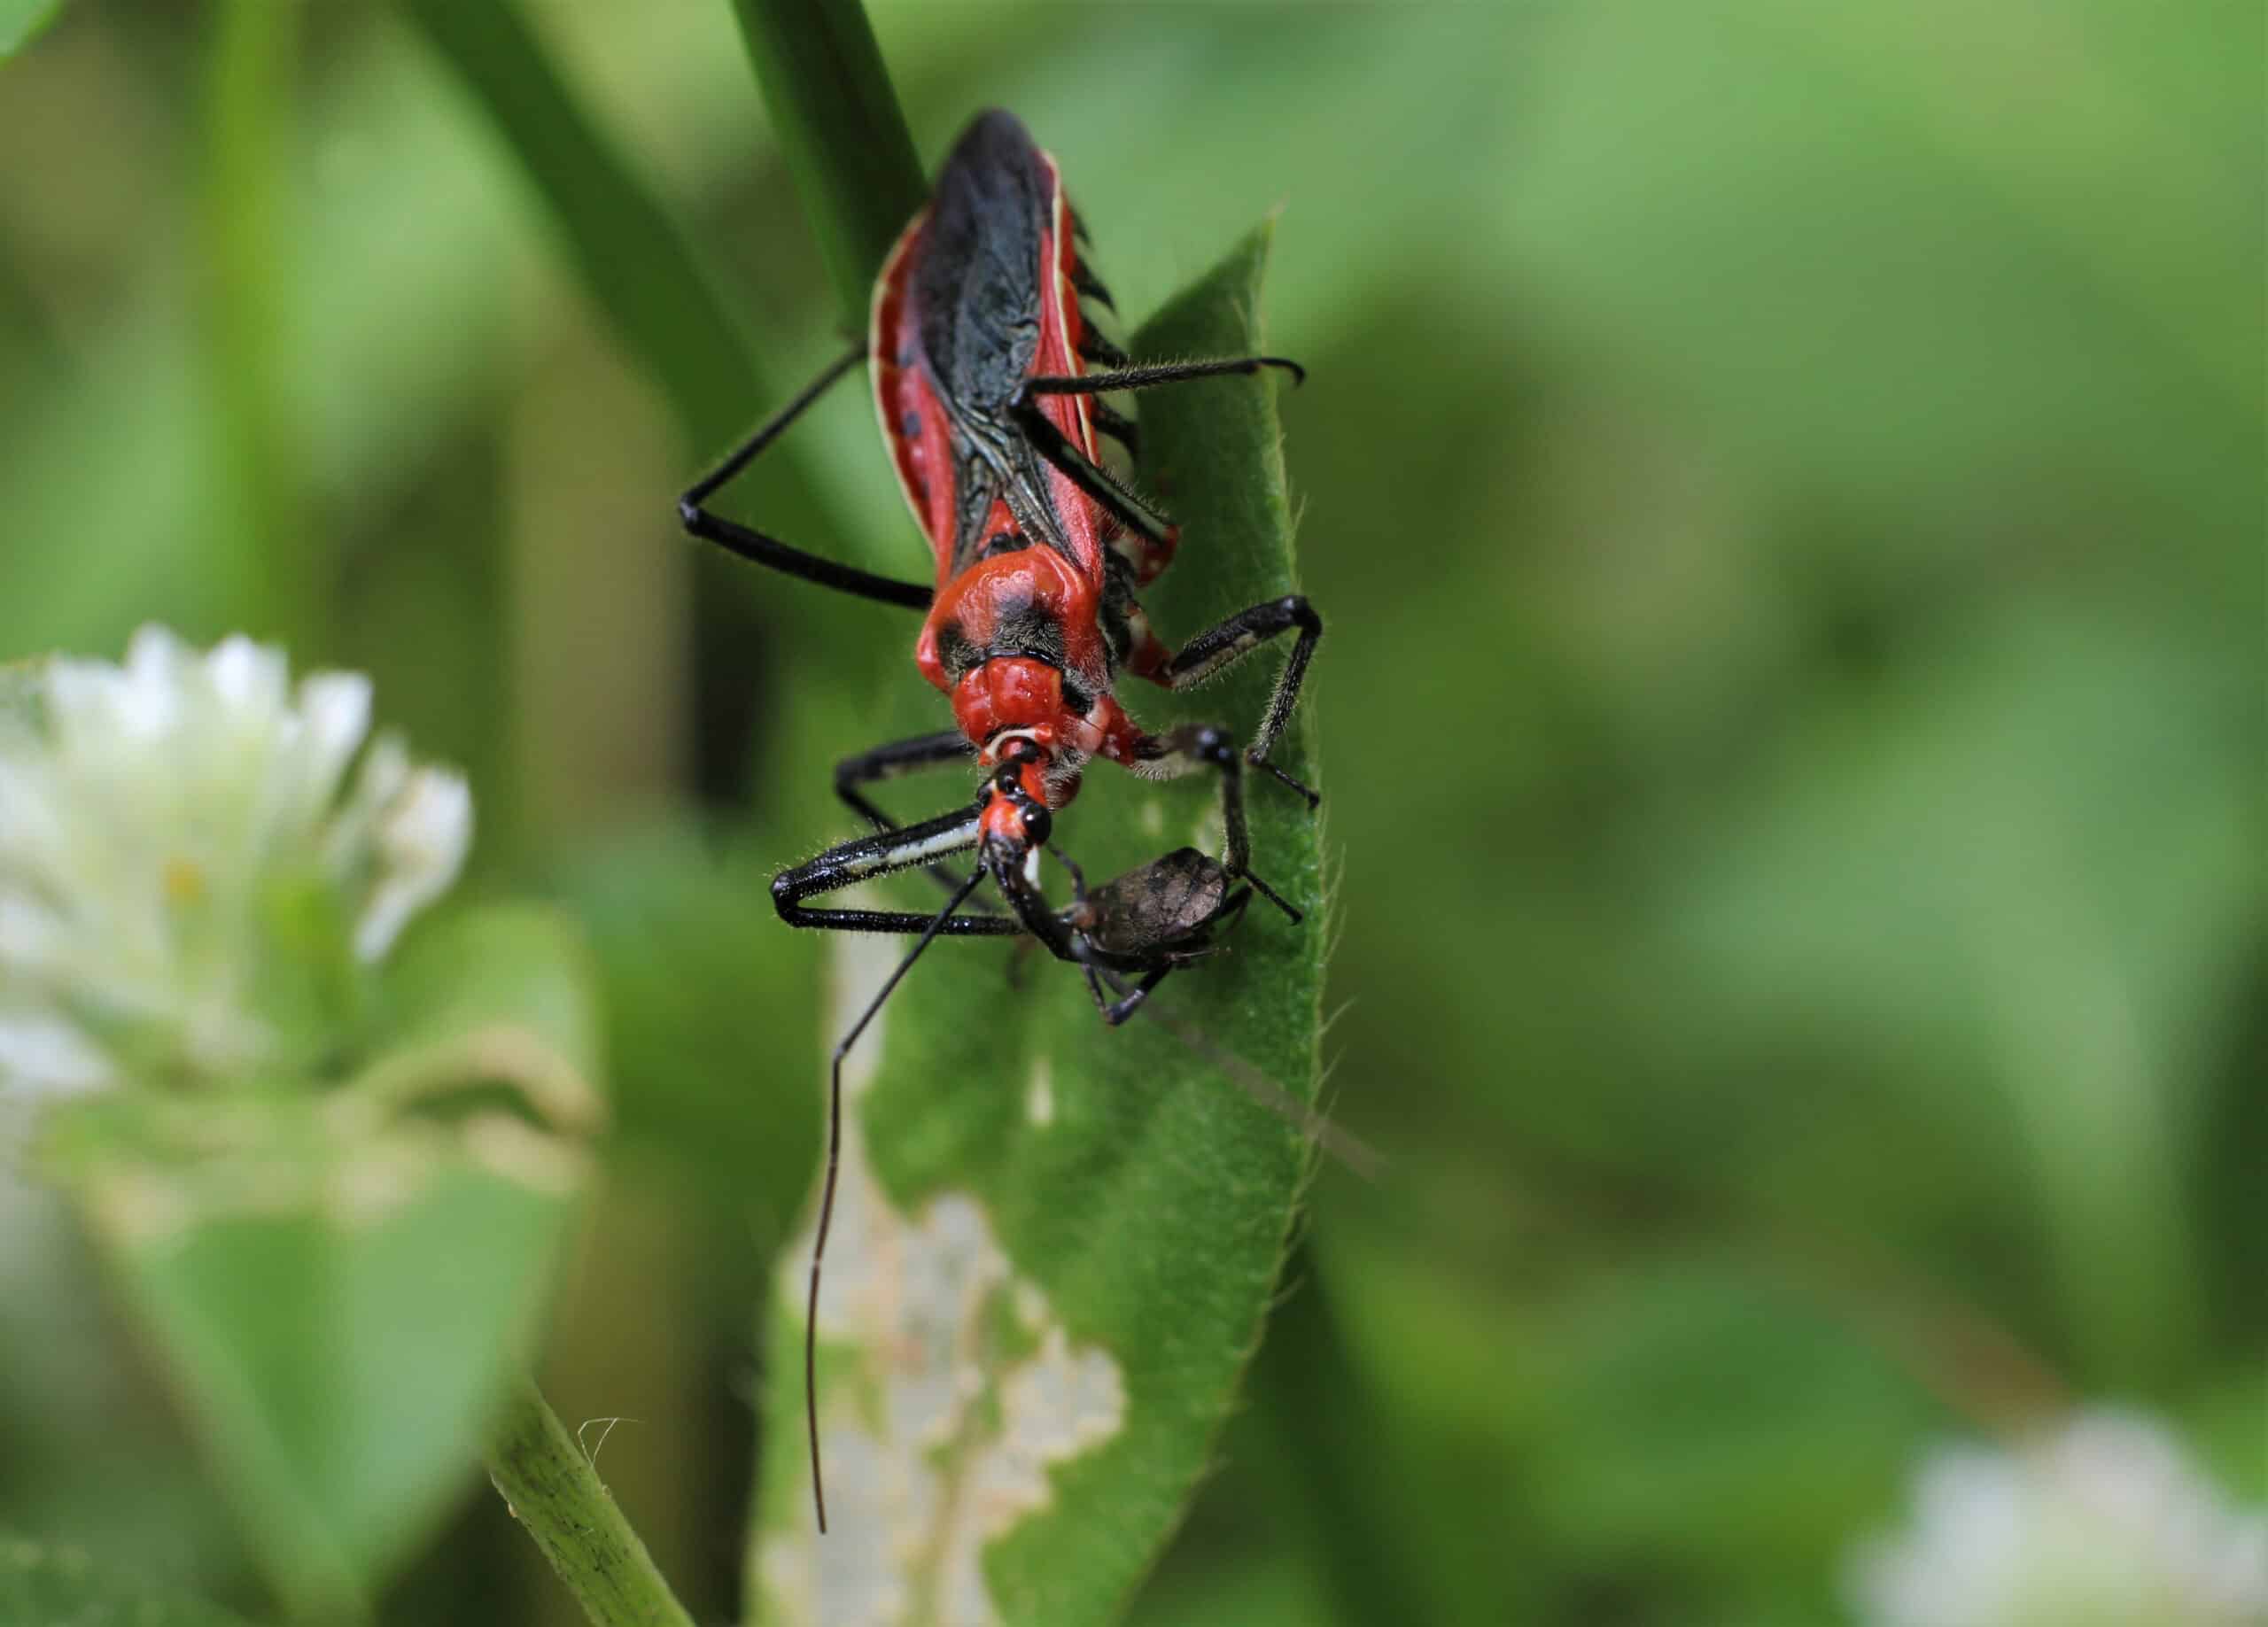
988,373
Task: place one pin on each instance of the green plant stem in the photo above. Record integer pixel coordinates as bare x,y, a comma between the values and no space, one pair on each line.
556,1494
633,261
258,546
839,127
22,21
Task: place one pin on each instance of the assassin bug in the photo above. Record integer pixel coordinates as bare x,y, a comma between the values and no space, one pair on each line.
987,375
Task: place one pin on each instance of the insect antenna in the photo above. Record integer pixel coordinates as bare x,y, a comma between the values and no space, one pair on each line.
834,1160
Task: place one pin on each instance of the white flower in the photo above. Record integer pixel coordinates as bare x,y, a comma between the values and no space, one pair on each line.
181,860
2101,1522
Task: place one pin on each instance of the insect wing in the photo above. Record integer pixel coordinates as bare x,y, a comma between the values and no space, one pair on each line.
978,295
913,421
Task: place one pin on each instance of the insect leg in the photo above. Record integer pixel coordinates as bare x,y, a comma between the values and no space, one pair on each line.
1144,375
1097,482
1130,1001
1095,347
1090,286
1197,746
1222,647
880,855
755,546
1081,471
888,762
1120,428
932,926
1114,1013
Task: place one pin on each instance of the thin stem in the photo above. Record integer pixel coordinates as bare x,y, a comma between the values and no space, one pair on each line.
636,264
839,127
20,24
556,1494
258,548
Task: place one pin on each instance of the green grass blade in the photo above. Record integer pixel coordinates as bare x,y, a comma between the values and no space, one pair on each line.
257,541
630,254
21,22
841,130
1055,1244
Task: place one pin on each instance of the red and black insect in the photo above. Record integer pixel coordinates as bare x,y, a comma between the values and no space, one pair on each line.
987,374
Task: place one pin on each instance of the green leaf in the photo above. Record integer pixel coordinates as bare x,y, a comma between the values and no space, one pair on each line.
513,968
340,1282
1055,1243
22,21
43,1586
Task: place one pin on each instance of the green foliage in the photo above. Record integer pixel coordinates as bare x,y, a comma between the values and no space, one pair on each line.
1780,482
22,21
43,1586
339,1281
1124,1178
659,300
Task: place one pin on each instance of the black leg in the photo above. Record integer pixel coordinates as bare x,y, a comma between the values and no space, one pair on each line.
1144,376
1113,1014
1089,477
1087,283
888,762
1120,428
923,751
881,854
1051,443
1117,1011
1029,907
1095,347
1079,898
1196,746
1222,646
755,546
1196,947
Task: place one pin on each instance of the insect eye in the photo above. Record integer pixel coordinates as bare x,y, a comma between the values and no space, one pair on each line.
1039,824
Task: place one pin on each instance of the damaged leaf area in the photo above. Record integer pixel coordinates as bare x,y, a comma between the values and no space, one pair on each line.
1054,1242
958,1389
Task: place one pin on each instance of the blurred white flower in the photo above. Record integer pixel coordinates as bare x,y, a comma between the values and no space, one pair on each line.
2100,1522
182,858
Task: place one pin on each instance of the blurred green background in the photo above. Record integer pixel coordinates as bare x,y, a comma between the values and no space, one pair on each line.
1783,482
